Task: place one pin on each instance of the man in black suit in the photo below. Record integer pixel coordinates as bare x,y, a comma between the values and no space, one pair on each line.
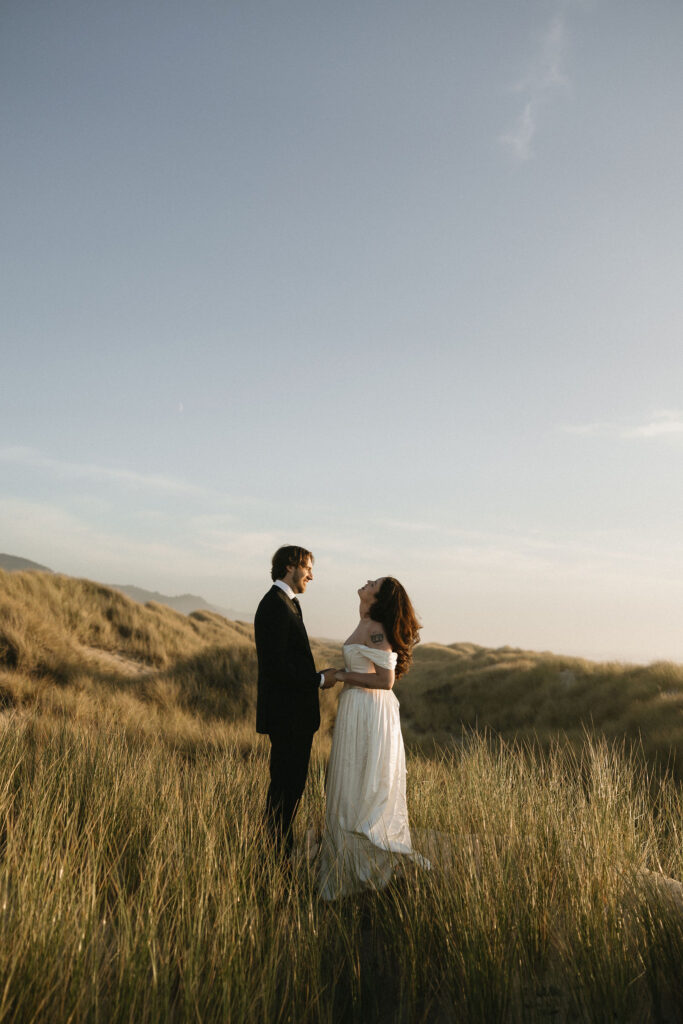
287,705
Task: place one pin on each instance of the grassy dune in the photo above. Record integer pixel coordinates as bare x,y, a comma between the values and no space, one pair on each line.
76,648
525,695
135,884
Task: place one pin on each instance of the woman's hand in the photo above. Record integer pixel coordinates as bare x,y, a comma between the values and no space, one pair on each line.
340,675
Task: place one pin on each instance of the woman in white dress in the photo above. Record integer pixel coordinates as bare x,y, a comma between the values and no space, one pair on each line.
366,819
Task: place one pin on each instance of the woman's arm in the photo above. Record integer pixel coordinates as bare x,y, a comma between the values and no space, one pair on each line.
380,679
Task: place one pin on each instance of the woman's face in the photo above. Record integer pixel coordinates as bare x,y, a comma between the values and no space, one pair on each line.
369,591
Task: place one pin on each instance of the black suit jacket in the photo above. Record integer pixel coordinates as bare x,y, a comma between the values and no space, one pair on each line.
288,683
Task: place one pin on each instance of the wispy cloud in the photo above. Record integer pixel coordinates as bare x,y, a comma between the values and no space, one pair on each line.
77,543
662,424
228,536
544,79
31,458
667,423
73,543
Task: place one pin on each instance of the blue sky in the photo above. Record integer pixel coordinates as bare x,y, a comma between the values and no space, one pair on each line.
397,281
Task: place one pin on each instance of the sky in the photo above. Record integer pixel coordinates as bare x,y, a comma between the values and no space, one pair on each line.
396,281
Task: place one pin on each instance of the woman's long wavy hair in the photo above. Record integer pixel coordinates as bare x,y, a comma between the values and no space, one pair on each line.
392,607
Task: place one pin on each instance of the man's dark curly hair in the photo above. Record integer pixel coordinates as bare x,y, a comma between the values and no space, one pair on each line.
286,556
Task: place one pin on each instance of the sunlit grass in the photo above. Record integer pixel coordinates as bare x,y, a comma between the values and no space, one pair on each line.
523,694
135,884
76,648
164,670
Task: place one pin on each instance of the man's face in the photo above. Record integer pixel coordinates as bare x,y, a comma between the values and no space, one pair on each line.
301,576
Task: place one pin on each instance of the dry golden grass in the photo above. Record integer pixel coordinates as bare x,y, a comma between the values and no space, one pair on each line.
135,883
73,648
531,696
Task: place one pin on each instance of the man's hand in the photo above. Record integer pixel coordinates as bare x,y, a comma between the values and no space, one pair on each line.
330,675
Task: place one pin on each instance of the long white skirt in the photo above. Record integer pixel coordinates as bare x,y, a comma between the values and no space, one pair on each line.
366,819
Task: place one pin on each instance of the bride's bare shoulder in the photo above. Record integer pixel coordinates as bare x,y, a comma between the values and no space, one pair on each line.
376,636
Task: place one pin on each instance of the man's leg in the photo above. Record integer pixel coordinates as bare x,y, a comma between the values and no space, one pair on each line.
289,756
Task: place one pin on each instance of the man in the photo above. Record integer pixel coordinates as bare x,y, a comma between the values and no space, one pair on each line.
287,704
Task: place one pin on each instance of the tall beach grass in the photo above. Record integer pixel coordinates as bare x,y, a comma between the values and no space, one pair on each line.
136,884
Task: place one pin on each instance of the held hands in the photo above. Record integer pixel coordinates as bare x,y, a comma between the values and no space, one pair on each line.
330,675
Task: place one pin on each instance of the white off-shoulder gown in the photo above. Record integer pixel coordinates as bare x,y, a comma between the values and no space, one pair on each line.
366,818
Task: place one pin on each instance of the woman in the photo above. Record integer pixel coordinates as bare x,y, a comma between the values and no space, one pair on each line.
366,820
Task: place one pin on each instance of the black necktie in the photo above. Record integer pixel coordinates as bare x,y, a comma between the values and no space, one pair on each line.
295,602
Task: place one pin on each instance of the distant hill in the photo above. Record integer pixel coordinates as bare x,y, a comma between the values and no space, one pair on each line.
11,563
184,603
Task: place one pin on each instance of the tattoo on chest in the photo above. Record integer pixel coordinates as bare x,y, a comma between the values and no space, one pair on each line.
377,638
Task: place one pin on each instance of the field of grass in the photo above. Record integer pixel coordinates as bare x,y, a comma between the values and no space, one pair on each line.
526,695
135,884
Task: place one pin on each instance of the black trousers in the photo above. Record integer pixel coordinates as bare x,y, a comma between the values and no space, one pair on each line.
289,757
